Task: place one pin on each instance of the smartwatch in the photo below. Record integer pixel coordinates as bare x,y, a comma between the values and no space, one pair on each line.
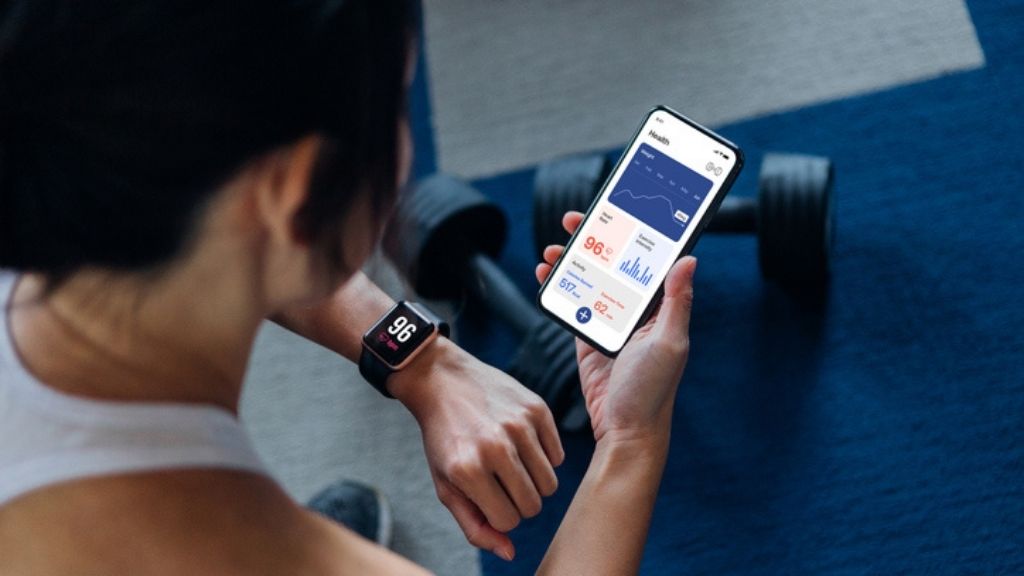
398,337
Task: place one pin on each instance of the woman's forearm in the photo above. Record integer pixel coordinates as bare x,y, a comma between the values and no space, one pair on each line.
606,526
338,322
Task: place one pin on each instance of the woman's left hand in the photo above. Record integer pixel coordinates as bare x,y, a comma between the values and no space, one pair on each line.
491,444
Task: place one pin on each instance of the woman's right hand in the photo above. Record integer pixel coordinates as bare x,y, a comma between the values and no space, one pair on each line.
630,397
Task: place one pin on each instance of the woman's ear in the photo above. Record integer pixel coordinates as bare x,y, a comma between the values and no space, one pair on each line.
283,188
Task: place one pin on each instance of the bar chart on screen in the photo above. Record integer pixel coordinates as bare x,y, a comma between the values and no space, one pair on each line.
636,270
645,255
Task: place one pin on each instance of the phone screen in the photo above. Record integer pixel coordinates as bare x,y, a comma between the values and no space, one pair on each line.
648,214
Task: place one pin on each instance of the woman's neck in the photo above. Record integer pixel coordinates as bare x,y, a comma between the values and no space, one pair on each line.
181,338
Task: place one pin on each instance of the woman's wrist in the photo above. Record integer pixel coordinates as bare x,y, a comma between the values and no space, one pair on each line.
652,431
415,385
634,446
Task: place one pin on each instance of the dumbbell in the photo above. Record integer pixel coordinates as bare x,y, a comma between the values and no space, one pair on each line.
444,237
792,216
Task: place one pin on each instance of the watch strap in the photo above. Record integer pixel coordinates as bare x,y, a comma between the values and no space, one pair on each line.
375,371
442,327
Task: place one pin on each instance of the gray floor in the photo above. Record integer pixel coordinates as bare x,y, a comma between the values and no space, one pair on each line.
516,82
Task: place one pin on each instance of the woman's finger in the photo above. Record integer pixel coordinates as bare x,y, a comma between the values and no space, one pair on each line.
542,272
519,485
553,253
484,490
539,463
571,221
474,524
550,441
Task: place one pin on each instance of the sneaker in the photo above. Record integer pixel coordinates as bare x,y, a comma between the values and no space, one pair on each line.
358,507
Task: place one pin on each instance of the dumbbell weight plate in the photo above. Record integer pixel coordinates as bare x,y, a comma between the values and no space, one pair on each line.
425,239
795,220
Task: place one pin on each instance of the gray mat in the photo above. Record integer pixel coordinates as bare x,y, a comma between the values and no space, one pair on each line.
514,83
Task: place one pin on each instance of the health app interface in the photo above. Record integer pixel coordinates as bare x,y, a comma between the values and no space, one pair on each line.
637,229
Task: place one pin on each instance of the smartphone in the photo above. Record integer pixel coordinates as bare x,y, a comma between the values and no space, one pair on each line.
649,213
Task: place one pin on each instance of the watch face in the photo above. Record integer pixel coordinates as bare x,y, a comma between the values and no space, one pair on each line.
398,334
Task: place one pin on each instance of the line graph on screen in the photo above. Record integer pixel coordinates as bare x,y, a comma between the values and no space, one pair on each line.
656,210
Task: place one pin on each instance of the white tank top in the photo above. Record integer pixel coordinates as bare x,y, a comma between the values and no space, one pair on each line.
48,437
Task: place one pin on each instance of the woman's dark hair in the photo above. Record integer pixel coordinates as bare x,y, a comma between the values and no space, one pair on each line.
120,119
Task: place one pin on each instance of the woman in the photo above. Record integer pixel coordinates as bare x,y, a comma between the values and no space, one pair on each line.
172,173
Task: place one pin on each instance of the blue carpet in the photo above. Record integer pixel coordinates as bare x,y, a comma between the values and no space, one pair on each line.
884,434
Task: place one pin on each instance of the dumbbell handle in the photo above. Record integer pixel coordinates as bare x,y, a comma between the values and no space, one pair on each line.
489,285
736,215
